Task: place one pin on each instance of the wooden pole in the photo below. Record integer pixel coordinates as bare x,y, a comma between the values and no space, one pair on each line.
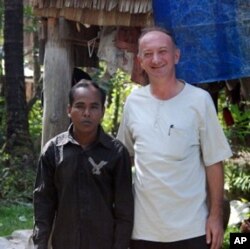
58,66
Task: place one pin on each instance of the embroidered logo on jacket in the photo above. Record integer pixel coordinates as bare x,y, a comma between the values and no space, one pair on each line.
96,170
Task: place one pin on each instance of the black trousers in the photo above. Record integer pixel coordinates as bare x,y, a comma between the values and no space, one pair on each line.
194,243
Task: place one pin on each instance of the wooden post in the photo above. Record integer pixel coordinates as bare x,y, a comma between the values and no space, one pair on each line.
58,66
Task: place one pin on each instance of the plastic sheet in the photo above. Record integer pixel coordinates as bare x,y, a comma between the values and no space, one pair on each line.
214,37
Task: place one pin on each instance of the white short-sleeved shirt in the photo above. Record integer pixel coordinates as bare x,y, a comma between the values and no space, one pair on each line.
172,142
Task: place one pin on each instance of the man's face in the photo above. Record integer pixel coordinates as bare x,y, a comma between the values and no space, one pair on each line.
86,111
158,54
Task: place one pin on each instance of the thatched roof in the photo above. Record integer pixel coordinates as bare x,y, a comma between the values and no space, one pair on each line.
98,12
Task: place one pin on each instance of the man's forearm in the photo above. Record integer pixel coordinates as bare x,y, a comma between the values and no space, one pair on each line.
215,182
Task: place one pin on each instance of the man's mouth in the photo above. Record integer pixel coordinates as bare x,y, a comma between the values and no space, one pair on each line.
157,67
86,122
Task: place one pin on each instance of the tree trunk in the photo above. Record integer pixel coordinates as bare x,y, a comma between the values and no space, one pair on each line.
58,66
18,140
37,73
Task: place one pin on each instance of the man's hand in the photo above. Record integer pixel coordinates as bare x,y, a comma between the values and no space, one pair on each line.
214,232
214,226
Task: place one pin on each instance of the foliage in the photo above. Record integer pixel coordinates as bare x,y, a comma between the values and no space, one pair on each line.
237,168
14,217
237,176
121,86
2,122
239,133
31,19
35,119
117,88
226,241
16,183
241,128
35,125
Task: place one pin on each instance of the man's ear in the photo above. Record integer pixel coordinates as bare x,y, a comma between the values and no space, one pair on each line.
69,111
177,55
139,61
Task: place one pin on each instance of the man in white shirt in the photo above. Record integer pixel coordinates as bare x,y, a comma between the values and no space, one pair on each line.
172,131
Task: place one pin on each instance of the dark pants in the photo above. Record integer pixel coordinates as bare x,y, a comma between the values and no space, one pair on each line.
194,243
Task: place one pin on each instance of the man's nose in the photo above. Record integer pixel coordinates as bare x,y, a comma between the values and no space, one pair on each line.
86,112
155,58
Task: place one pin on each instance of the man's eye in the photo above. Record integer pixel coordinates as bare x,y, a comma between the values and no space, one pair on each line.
163,51
79,107
147,55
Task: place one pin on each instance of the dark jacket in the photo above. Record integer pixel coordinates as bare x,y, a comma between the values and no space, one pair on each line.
87,193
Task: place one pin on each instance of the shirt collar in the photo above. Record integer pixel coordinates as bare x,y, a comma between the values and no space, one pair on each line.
67,137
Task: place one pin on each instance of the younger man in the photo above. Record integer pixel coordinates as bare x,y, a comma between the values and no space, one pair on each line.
83,186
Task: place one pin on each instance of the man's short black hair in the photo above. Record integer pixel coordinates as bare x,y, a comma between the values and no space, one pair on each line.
86,84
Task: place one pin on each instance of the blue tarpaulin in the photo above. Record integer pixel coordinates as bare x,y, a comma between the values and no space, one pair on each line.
213,35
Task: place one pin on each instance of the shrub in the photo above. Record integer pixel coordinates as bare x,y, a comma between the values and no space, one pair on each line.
16,184
237,176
